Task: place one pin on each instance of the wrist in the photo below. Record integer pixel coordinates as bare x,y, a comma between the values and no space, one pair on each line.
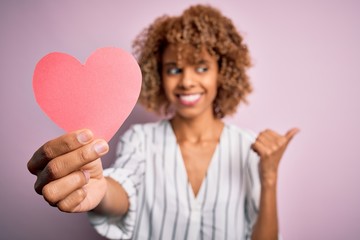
269,181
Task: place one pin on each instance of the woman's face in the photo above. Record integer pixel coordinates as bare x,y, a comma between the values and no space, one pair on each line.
190,87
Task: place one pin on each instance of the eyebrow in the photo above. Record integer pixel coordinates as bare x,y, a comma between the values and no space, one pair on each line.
169,64
202,61
173,63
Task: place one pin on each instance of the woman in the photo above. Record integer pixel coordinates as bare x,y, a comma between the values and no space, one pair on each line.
189,176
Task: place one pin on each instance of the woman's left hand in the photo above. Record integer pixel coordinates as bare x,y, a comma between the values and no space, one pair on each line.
270,146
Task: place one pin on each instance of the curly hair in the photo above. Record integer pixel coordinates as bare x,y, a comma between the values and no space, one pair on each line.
201,26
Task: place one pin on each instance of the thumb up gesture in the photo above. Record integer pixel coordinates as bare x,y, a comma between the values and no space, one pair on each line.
270,146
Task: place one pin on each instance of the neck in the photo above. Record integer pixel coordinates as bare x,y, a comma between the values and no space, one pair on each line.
198,129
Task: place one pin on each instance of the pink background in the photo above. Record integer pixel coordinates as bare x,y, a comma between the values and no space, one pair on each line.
306,74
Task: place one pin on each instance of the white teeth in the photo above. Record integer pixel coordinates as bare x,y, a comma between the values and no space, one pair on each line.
190,98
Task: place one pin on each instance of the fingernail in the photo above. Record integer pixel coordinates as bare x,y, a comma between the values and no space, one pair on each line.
84,136
101,147
87,175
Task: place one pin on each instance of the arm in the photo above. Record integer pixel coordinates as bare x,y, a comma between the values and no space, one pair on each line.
114,195
270,146
266,226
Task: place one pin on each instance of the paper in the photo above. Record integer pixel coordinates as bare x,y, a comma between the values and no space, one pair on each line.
98,95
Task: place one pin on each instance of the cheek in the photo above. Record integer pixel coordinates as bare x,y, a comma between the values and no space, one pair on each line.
168,89
211,85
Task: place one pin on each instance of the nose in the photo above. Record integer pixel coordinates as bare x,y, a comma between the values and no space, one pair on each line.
187,79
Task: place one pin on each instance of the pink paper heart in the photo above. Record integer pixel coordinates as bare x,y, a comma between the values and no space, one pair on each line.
98,95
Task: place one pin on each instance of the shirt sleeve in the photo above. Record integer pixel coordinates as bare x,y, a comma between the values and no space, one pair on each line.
128,170
253,188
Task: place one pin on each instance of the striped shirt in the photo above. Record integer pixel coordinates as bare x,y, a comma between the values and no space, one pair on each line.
150,168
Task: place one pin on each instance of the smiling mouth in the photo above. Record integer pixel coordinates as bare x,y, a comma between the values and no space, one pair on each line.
189,99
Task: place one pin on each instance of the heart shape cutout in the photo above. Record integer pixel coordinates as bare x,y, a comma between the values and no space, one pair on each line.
98,95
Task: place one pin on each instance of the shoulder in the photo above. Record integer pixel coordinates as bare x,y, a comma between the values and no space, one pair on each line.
246,135
146,129
137,135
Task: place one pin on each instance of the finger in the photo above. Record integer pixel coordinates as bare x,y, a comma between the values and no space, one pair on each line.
259,148
271,140
266,137
70,162
72,202
291,133
272,135
57,147
59,189
276,141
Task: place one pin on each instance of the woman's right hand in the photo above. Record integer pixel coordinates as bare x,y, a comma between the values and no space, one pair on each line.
69,171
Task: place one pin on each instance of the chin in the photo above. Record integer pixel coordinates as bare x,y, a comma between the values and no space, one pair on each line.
186,114
190,114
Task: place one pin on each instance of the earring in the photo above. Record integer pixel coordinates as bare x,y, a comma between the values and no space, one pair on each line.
217,110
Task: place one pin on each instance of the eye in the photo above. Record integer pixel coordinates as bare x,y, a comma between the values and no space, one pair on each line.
201,69
173,70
